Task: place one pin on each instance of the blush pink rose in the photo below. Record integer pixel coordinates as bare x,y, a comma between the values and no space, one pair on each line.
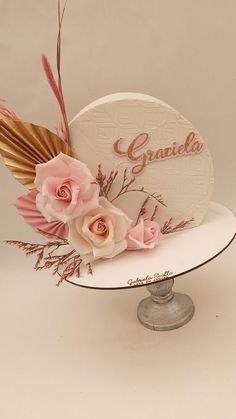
66,188
145,235
100,233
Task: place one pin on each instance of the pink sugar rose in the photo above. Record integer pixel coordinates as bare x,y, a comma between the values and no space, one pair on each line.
145,235
100,233
66,188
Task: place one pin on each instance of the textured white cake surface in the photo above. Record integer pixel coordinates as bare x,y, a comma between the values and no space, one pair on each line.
185,182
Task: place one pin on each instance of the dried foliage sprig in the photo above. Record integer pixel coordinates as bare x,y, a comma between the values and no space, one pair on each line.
169,228
7,112
60,17
154,214
128,181
69,263
90,270
60,21
156,197
38,249
143,209
105,183
65,265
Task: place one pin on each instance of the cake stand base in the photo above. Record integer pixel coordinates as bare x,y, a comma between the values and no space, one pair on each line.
164,309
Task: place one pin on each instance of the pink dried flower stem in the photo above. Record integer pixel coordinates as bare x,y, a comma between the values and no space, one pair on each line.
169,228
46,259
143,209
8,113
72,269
89,266
101,178
105,183
154,214
125,188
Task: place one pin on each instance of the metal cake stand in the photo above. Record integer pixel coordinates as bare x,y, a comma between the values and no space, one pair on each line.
178,254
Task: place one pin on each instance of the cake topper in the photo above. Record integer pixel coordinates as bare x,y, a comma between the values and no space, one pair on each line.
96,204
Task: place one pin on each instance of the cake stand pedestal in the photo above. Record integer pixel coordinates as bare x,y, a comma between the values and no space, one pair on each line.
165,309
178,254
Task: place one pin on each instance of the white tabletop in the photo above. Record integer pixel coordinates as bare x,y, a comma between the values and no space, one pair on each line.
78,353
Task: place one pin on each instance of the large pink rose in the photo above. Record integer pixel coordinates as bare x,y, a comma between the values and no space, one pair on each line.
145,235
100,233
66,188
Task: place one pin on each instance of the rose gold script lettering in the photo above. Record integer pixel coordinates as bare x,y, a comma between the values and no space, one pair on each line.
141,159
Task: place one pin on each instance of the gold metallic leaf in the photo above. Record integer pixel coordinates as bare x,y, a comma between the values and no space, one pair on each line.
24,145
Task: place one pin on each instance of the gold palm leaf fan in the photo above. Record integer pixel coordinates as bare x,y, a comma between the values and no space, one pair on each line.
24,145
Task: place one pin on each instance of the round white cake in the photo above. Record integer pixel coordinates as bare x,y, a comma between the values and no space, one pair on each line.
161,150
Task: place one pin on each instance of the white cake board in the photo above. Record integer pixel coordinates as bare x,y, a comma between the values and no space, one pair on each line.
176,255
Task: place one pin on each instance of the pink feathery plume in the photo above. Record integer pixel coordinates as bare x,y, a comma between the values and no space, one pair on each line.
8,113
52,82
57,86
